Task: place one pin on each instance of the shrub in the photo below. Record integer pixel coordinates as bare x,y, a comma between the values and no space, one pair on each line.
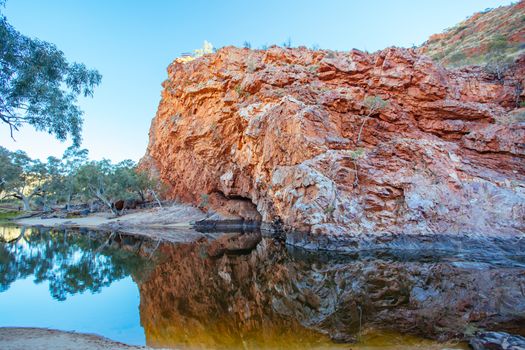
288,43
313,68
207,48
357,153
329,210
498,43
204,201
251,65
241,92
457,57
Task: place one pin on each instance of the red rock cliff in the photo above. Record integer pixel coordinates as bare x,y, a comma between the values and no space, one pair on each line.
279,128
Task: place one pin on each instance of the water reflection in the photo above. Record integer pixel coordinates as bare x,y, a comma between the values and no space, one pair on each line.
71,262
275,296
244,291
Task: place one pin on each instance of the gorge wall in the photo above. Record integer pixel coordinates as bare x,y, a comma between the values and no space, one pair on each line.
288,136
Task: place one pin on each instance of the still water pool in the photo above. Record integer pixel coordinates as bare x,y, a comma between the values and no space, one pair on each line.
244,291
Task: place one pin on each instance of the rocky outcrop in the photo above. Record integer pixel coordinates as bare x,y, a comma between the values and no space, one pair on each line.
344,144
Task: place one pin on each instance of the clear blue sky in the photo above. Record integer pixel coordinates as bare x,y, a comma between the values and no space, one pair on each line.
132,42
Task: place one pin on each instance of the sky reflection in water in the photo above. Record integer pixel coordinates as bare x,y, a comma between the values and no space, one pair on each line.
201,295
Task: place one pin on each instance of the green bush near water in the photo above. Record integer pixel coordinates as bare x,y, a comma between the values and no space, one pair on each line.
9,215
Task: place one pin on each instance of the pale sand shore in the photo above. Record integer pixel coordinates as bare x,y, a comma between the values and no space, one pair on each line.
45,339
177,216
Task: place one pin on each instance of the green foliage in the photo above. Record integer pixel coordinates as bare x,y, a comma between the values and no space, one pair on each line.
247,45
357,153
460,28
72,178
374,103
9,171
8,215
497,64
241,92
498,43
71,262
204,201
21,177
456,57
39,87
329,210
478,39
313,68
105,181
238,90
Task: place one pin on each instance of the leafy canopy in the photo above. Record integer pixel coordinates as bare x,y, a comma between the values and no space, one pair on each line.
39,87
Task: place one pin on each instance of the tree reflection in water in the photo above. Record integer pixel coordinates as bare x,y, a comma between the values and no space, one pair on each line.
242,290
70,261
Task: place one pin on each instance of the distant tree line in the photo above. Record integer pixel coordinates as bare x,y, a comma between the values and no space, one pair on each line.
72,179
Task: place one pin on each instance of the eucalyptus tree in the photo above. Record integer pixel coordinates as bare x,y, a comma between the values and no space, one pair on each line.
148,184
94,180
22,177
107,182
8,171
72,159
39,87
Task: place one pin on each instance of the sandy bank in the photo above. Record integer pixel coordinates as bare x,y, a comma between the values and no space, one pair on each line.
177,216
44,339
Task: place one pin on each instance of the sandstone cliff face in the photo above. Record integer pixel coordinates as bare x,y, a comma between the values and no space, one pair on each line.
277,130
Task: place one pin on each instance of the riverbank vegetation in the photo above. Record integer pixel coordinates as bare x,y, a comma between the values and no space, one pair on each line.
73,182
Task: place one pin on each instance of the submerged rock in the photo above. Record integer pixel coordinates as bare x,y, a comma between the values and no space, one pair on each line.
497,341
289,136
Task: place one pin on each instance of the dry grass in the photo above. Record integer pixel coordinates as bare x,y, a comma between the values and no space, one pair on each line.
473,40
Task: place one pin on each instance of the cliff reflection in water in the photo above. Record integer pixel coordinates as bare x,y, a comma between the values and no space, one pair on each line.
245,291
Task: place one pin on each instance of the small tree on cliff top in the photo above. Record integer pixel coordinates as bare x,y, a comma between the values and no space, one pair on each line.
207,48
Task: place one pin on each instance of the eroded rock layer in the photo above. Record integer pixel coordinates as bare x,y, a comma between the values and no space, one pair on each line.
289,136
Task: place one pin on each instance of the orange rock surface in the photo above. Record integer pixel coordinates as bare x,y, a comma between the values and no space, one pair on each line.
275,132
